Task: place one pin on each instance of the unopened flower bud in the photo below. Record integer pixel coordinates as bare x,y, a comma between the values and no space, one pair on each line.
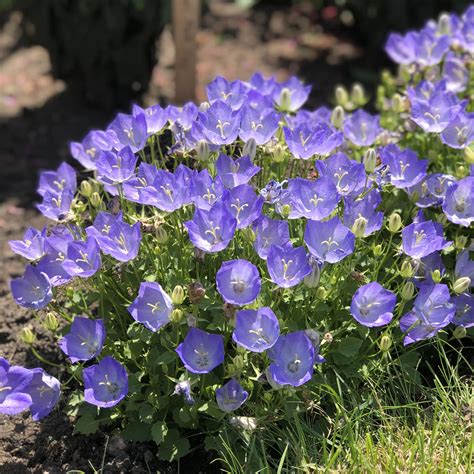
342,96
385,343
436,276
229,311
394,222
196,292
51,322
408,291
96,200
176,315
337,117
285,99
27,336
459,332
161,235
469,154
250,148
442,219
397,103
444,24
378,250
406,270
358,94
86,189
461,285
177,296
278,153
248,234
203,106
285,210
312,279
460,242
238,362
275,385
313,336
359,227
191,320
202,151
321,293
370,160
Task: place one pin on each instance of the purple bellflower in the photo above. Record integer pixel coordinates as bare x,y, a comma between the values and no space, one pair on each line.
105,383
206,191
405,168
464,316
140,188
460,131
167,195
200,351
233,173
372,305
362,128
256,330
32,290
238,282
231,93
83,258
32,246
364,208
14,382
464,266
291,95
116,167
244,205
458,205
152,307
261,126
55,182
287,266
131,130
455,74
85,339
231,396
220,125
86,152
421,239
56,206
155,117
270,232
44,391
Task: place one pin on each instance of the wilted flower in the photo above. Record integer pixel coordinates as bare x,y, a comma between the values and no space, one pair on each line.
287,266
256,330
85,339
238,282
231,396
105,383
372,305
200,351
32,290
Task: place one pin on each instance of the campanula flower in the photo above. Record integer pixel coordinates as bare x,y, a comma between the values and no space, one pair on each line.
287,266
431,312
291,95
421,239
270,232
348,175
362,128
55,182
56,206
458,205
464,315
220,124
405,168
312,199
152,307
155,117
258,101
105,383
140,188
44,391
211,231
231,396
256,330
205,190
116,167
83,258
184,177
372,305
438,185
85,339
455,73
200,351
235,172
238,282
166,194
329,241
14,381
244,205
32,246
184,116
430,49
32,290
364,208
401,49
459,133
306,140
183,388
425,266
464,266
421,195
272,191
115,237
86,151
131,130
231,93
259,125
292,359
263,85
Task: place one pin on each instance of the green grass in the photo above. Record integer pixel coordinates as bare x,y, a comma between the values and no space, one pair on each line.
392,421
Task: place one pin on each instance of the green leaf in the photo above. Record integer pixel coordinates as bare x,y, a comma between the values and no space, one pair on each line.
86,425
146,413
159,431
137,431
349,346
173,450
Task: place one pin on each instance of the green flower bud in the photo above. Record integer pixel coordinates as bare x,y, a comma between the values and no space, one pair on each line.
177,297
51,322
406,270
460,242
191,320
442,219
176,315
239,363
359,226
394,222
250,148
461,285
321,293
161,235
27,336
79,207
378,250
278,153
358,94
436,276
342,96
69,292
86,189
248,234
203,106
337,117
285,210
312,280
444,24
202,151
370,160
459,332
285,99
469,154
96,200
385,343
408,291
398,105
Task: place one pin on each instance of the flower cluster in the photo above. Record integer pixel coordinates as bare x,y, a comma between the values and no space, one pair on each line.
211,246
